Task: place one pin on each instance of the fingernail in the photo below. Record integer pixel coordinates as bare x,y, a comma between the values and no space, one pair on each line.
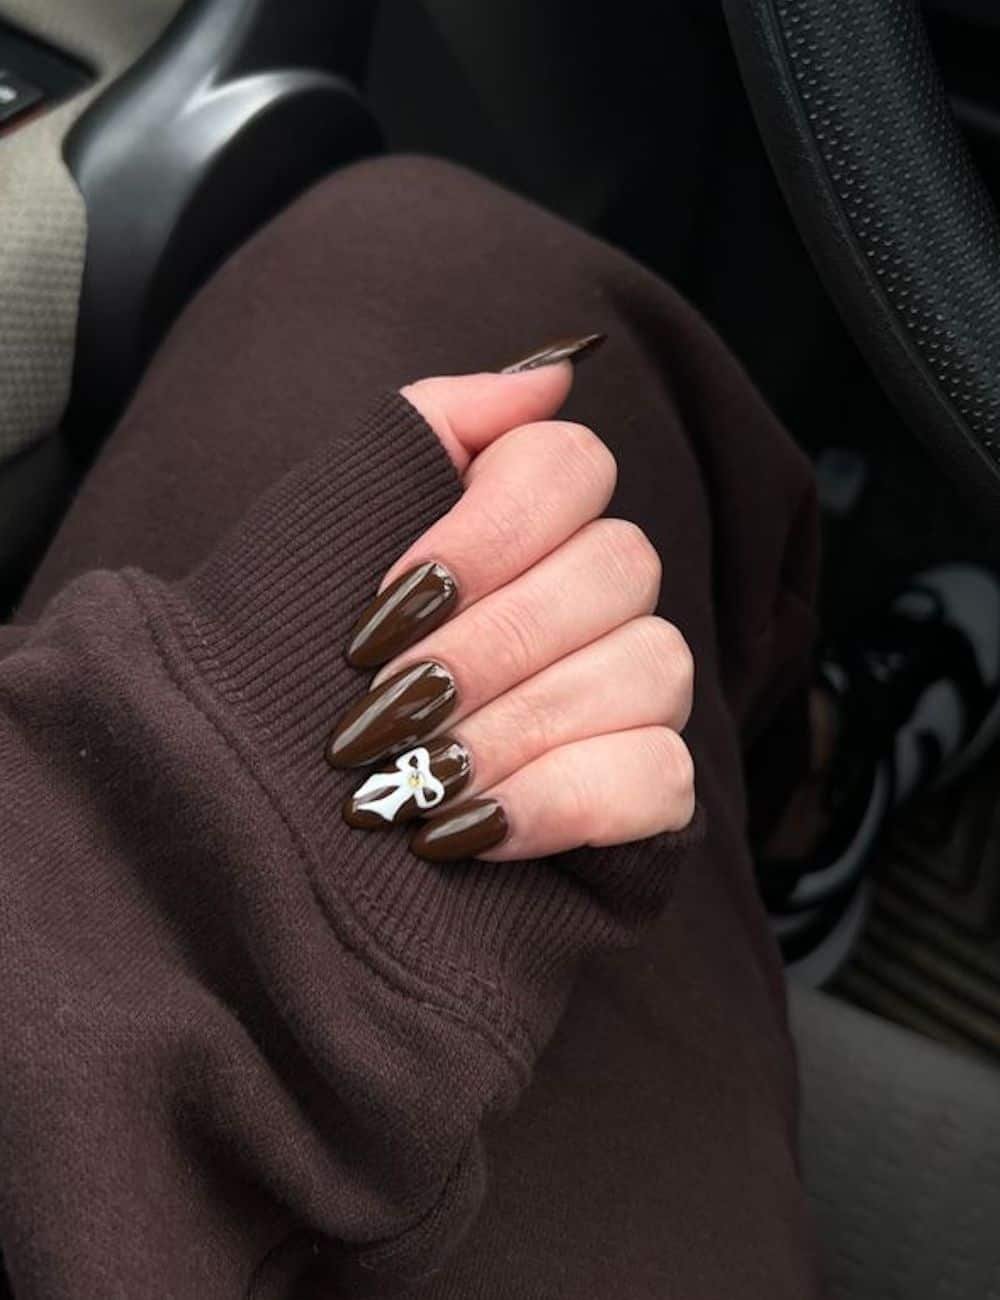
418,781
562,350
464,832
393,716
398,617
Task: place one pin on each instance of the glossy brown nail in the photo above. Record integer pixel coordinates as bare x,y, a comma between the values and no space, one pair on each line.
463,832
393,716
398,617
574,350
418,781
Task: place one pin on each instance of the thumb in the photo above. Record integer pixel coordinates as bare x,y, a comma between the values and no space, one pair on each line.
468,412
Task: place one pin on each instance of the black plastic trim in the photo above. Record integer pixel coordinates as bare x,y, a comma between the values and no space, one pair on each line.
35,489
56,73
188,153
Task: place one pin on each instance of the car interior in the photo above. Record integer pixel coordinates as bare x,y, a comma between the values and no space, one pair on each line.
820,178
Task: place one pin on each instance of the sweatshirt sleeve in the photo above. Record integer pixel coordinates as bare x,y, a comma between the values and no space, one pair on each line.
241,1041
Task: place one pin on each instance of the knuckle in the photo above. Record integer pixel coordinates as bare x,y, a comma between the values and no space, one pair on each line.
632,558
501,528
672,757
527,724
667,659
511,632
582,452
579,806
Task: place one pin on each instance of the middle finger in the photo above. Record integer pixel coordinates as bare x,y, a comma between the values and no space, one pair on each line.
605,575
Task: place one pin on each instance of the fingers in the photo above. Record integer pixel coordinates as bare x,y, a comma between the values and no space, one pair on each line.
522,623
606,575
524,496
639,675
606,790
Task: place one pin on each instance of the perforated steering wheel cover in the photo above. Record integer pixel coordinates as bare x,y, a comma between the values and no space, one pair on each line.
888,200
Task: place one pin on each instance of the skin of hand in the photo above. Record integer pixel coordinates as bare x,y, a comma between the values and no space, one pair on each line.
552,699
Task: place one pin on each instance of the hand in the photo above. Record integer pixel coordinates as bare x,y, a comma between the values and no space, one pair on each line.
526,670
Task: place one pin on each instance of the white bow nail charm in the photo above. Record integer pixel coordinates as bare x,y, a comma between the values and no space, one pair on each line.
385,793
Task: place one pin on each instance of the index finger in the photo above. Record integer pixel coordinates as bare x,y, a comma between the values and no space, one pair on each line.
525,495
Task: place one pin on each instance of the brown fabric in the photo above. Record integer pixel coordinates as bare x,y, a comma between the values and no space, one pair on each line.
250,1052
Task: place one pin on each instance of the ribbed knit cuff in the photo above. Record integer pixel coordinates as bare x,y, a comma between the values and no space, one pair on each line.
265,623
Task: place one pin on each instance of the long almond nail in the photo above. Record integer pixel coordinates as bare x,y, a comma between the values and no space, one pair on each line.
418,781
398,617
562,350
464,832
393,716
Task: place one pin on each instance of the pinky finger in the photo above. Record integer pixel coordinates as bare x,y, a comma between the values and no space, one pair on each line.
605,790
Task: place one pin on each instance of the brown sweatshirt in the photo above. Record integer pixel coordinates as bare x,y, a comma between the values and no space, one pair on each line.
237,1039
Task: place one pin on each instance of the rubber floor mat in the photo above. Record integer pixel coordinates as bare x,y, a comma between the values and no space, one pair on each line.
930,954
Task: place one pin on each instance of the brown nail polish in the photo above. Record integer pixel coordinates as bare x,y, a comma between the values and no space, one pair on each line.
418,781
398,617
393,716
463,832
562,350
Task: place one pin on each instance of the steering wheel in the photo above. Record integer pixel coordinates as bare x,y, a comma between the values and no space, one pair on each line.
859,130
